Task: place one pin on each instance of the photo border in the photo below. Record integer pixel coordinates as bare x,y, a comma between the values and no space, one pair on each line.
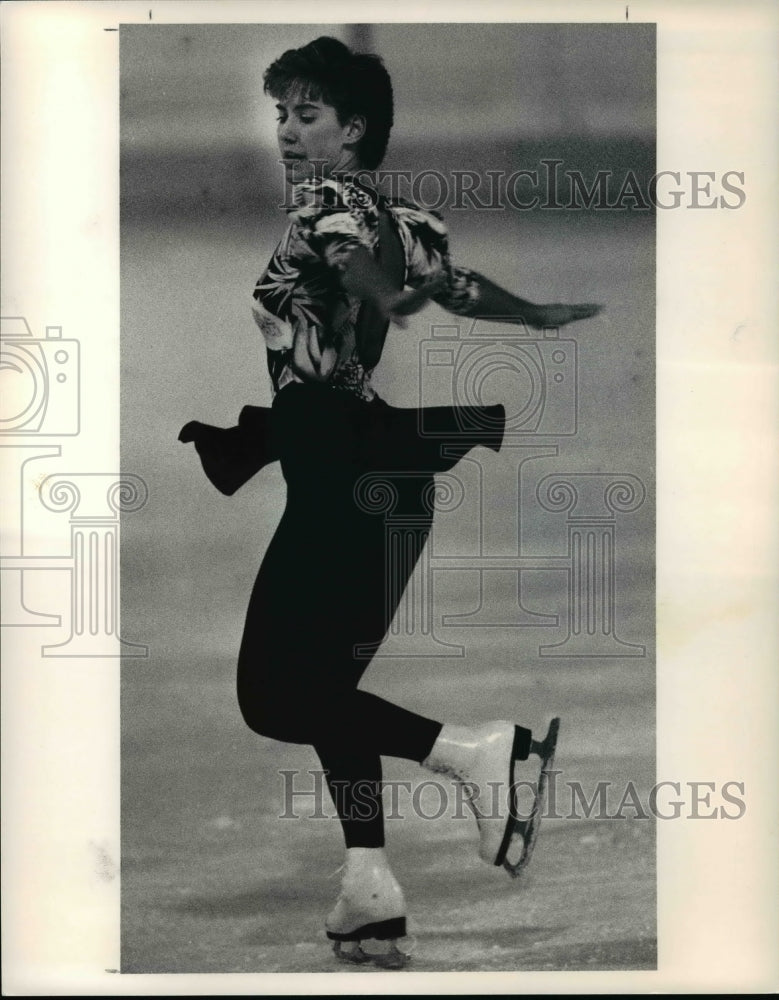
717,500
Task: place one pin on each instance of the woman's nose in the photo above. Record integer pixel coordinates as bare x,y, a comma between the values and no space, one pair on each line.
286,132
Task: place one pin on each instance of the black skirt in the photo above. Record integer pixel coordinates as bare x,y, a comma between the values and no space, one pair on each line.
427,439
333,574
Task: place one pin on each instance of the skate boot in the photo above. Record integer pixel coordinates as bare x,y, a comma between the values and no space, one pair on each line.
483,760
370,914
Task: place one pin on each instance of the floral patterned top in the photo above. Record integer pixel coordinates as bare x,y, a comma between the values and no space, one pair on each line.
329,219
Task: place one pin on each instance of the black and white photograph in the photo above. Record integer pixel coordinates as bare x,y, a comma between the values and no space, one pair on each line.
428,421
373,536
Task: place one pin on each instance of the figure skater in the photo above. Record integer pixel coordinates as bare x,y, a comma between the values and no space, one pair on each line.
351,261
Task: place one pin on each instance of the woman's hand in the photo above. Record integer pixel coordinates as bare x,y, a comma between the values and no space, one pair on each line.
496,304
557,314
399,305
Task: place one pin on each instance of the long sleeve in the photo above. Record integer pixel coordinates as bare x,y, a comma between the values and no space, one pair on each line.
427,253
299,303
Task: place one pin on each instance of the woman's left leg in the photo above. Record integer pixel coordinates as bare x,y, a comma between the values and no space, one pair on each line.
329,583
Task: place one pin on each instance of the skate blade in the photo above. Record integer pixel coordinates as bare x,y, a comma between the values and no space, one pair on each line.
383,954
525,831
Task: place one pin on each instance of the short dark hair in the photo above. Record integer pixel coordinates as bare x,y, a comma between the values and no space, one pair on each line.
351,82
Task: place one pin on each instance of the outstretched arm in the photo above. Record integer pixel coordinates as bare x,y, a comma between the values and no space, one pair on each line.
497,304
364,278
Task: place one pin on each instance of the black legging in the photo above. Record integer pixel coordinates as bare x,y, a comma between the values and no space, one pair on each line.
327,584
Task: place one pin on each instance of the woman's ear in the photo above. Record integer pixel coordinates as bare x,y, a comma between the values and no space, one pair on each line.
356,128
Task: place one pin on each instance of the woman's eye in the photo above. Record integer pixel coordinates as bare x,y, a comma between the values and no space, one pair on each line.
307,119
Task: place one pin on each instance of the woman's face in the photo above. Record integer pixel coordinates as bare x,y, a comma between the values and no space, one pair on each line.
312,140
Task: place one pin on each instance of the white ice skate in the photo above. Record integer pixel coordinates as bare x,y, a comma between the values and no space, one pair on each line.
484,761
369,916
